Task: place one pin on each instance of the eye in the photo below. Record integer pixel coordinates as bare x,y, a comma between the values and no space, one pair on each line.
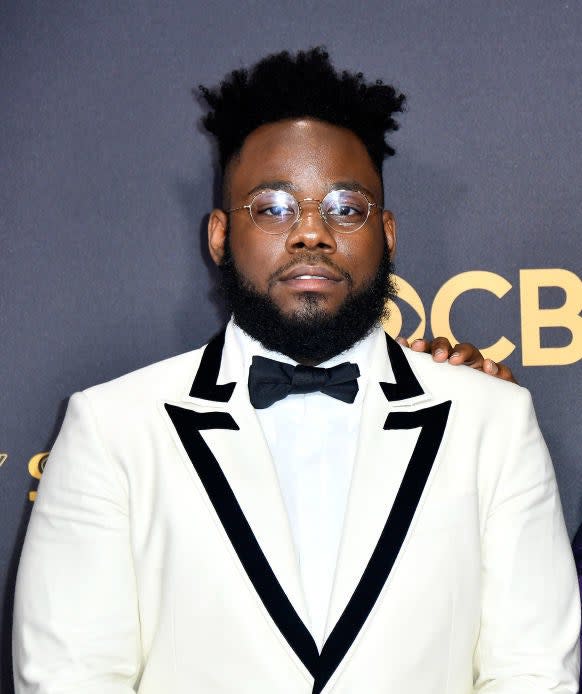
278,211
345,207
274,206
343,210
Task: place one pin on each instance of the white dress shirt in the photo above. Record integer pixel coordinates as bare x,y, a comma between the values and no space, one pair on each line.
312,439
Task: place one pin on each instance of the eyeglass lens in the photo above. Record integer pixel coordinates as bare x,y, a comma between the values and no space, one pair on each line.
276,211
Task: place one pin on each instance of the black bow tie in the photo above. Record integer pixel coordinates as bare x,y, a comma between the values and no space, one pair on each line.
271,380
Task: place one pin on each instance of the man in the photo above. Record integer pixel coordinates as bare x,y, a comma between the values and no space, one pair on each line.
301,505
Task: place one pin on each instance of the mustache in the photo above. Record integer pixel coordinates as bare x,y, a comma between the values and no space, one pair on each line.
309,259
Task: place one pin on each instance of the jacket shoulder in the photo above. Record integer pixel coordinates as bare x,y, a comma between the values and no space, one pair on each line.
464,384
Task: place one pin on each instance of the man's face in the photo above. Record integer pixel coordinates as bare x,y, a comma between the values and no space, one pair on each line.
309,158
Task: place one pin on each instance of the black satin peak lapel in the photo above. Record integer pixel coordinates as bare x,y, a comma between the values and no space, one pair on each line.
406,385
188,425
205,386
432,421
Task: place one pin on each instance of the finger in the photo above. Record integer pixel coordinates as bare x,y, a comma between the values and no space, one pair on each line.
500,370
420,345
468,354
440,349
490,367
402,341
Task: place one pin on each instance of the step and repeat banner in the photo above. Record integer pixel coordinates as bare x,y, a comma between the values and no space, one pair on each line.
107,179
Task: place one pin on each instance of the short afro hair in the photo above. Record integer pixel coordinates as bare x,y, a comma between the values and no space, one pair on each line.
282,86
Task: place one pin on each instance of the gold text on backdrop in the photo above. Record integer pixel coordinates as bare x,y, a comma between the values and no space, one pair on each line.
533,317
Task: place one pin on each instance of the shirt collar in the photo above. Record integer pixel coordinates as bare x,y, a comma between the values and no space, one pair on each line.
243,347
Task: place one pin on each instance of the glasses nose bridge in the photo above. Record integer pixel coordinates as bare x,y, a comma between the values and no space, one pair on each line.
311,228
314,201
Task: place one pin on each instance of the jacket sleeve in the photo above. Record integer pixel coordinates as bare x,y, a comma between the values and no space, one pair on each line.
76,622
530,618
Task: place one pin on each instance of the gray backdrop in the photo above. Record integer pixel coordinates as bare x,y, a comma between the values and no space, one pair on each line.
106,178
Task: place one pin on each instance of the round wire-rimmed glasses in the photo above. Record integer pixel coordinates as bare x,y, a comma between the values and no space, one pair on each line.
277,211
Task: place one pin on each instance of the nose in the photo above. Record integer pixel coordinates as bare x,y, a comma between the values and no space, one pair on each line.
310,231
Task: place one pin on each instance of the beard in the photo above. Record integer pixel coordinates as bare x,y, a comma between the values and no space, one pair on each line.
311,334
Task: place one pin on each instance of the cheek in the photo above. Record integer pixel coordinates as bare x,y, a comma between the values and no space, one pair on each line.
256,257
360,256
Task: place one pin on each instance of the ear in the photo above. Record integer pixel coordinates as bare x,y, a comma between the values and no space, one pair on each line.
217,228
389,224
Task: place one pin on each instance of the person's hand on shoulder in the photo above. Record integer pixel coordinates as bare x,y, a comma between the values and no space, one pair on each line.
463,353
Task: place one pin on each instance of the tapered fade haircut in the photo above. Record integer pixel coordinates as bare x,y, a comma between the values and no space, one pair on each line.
282,86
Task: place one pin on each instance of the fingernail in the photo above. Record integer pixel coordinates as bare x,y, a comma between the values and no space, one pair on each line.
492,366
454,355
440,353
418,341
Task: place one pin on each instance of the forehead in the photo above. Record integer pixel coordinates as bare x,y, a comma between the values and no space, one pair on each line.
309,154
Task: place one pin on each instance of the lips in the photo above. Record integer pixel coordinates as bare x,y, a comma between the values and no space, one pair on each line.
306,273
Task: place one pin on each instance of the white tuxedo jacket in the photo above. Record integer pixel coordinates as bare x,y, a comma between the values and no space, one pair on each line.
159,557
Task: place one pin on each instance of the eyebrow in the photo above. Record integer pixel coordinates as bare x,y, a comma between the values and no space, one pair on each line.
273,185
353,185
292,188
